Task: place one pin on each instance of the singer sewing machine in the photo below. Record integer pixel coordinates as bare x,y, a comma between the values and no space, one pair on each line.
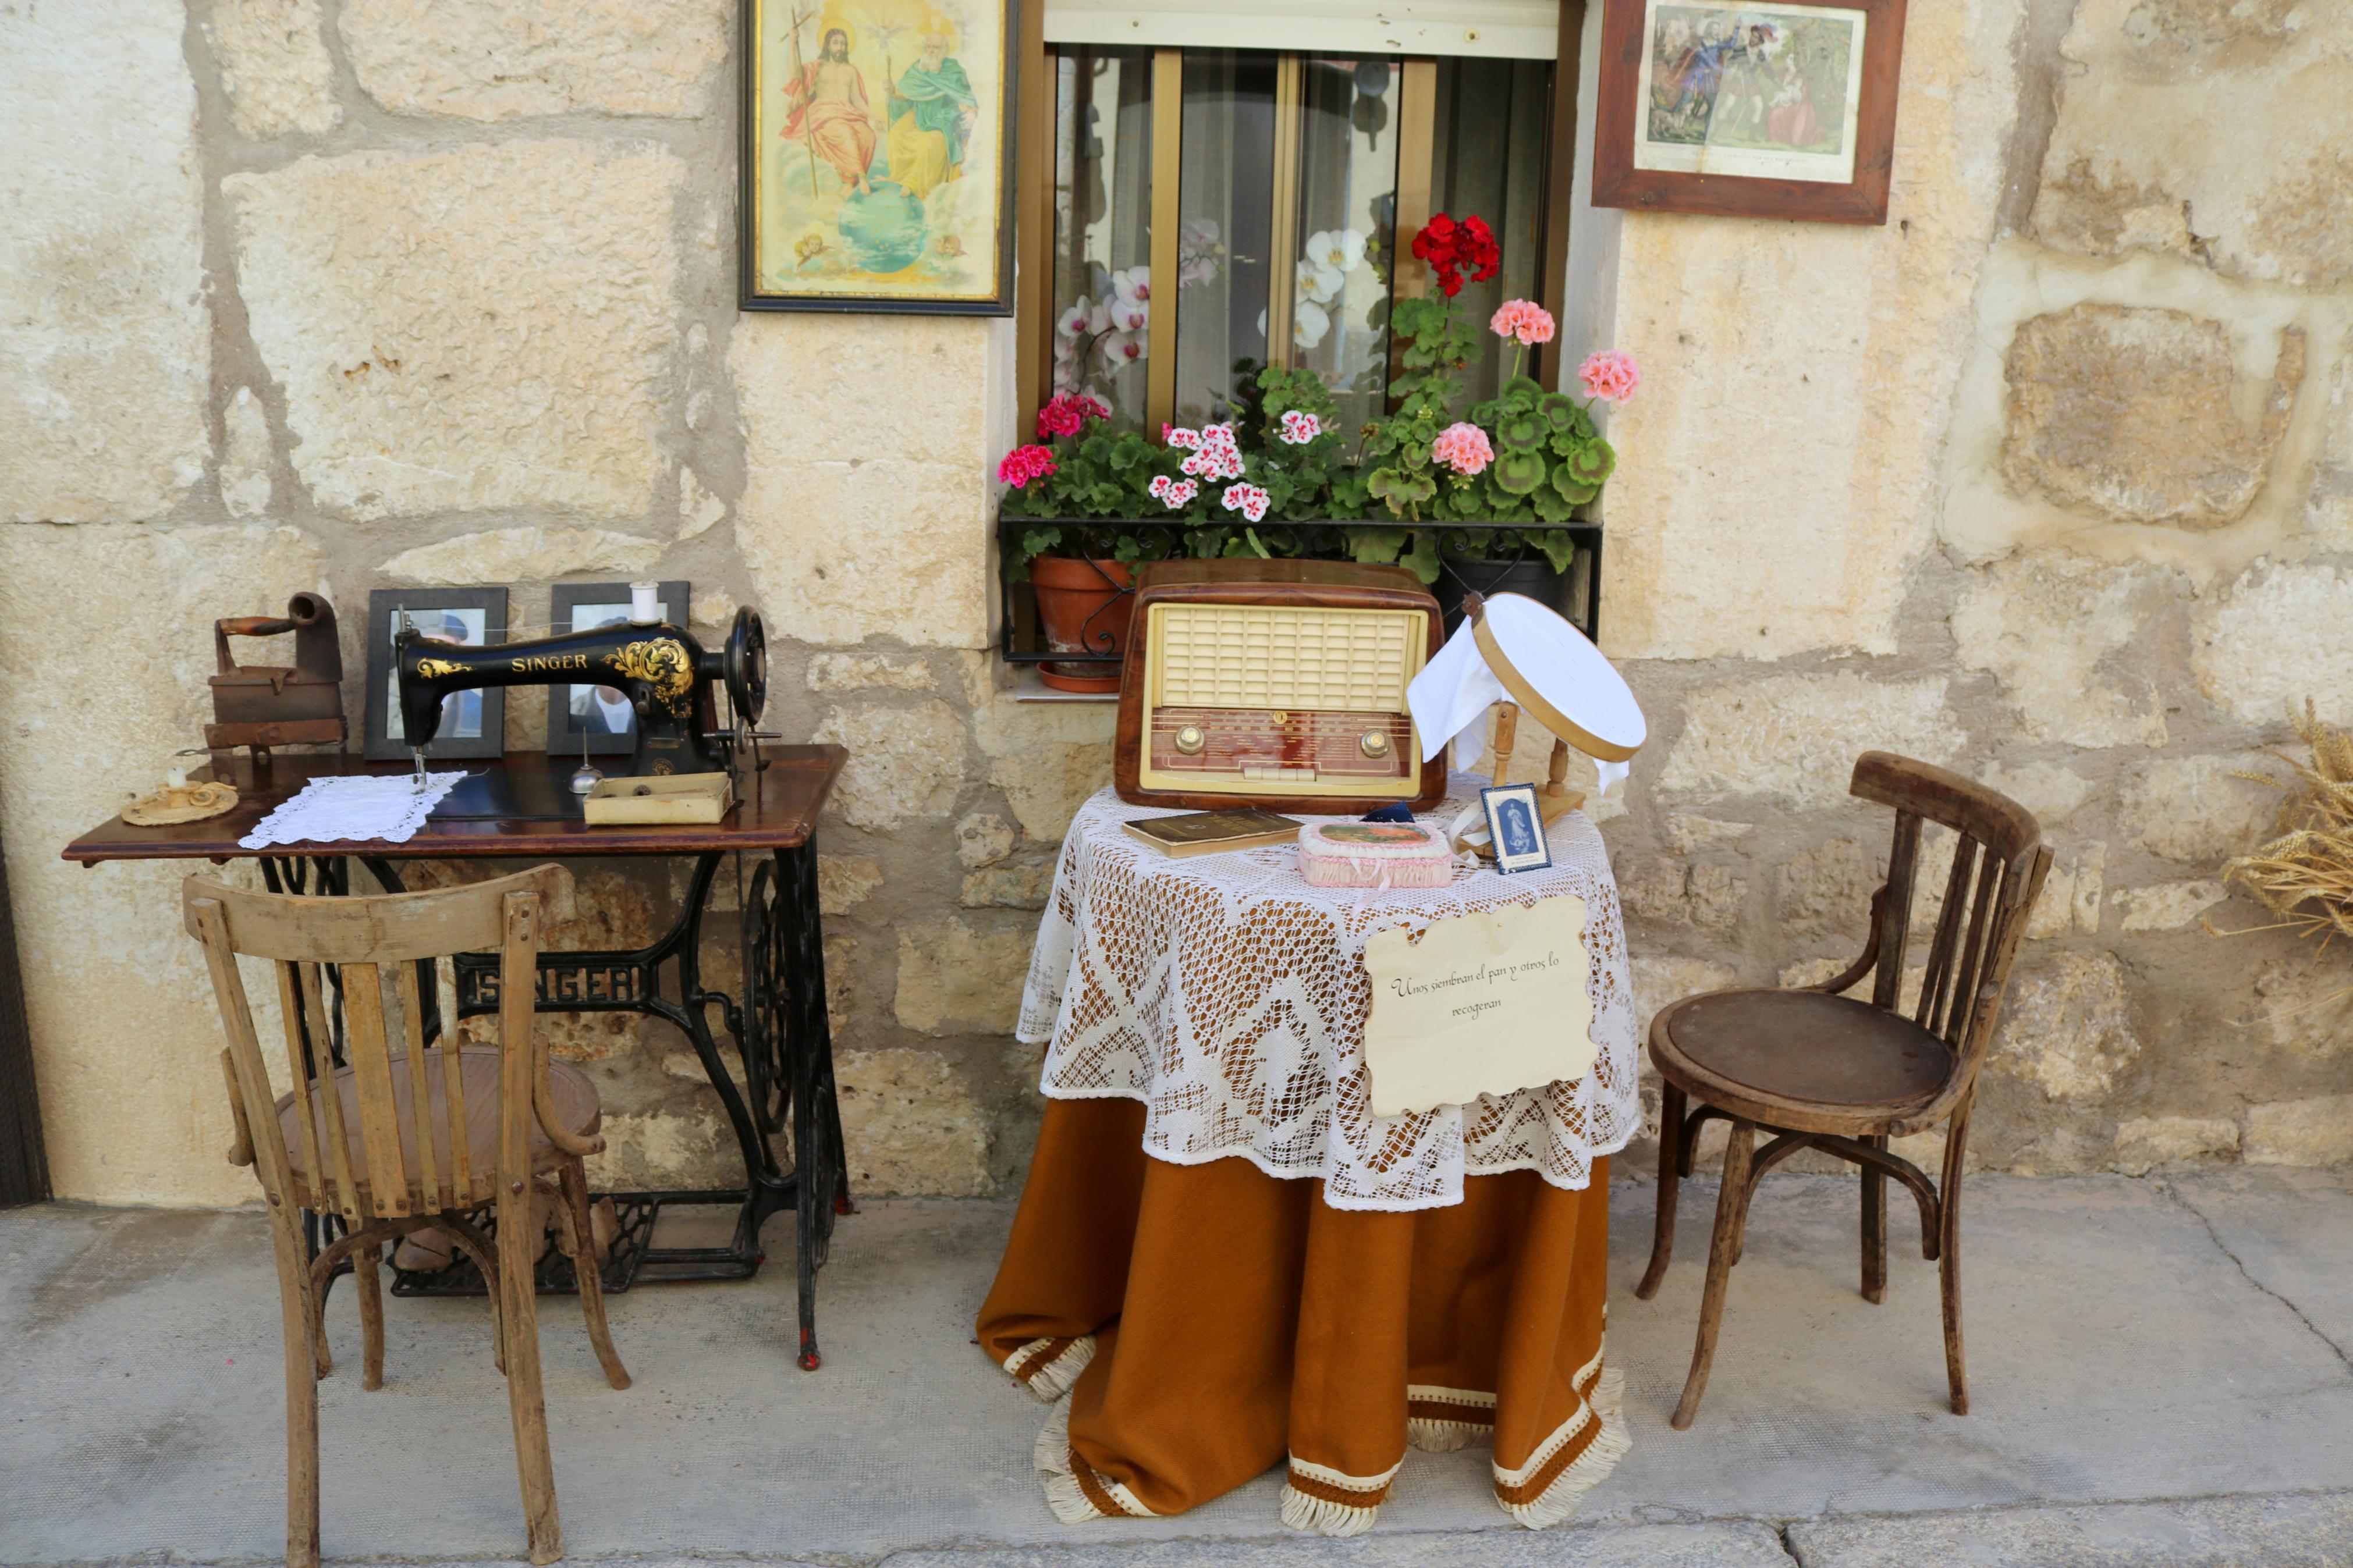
667,675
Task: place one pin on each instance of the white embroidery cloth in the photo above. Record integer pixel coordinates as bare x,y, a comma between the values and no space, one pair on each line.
1229,997
354,806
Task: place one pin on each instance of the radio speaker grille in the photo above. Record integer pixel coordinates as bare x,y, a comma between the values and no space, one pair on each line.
1247,655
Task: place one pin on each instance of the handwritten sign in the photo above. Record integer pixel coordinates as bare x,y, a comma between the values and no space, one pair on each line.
1483,1003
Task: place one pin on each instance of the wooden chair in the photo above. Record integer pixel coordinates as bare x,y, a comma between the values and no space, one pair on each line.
502,1124
1820,1070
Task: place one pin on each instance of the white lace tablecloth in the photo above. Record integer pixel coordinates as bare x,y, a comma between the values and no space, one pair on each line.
1229,996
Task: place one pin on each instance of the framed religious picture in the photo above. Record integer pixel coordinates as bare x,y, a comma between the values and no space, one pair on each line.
473,723
598,719
1515,827
877,155
1748,108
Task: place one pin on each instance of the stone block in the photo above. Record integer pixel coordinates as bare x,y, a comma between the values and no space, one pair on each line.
2306,1005
540,553
1673,892
2070,894
2315,1132
2196,809
245,484
1692,835
2052,792
855,525
274,66
904,762
2144,1142
911,1127
699,510
2046,624
959,978
2282,633
471,329
665,1149
2167,906
2067,1028
983,839
504,60
2126,413
1047,758
1664,978
1848,384
1828,888
1797,736
1023,886
125,1038
105,340
845,882
2216,131
858,672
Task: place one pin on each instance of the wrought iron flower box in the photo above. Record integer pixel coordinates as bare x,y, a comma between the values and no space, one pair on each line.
1575,593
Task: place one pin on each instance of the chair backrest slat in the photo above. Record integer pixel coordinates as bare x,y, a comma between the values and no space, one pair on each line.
1896,911
1989,899
1936,986
372,1175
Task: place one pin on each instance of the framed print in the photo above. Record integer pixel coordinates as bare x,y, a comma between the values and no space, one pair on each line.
473,723
598,717
1748,108
876,158
1515,827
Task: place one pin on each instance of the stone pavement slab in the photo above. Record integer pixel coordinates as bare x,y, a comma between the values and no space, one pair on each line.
2131,1341
2310,1531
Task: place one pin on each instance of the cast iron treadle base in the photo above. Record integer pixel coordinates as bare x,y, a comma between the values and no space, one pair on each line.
631,1258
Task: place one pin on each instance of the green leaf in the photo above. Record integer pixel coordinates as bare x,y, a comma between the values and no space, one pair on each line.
1376,546
1593,462
1522,431
1517,473
1561,413
1552,506
1401,487
1559,547
1521,389
1422,559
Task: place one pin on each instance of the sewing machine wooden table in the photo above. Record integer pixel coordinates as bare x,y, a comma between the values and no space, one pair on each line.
521,807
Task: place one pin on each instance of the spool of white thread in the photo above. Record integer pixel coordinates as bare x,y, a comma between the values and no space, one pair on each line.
643,609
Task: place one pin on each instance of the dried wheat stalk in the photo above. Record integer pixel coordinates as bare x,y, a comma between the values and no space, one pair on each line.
2306,874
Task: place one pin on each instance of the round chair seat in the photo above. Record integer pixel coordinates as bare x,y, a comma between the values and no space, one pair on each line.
1831,1051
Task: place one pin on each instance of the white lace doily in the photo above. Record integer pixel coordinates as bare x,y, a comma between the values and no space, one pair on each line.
1229,996
389,807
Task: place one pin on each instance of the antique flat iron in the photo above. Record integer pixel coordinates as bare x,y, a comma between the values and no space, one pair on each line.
263,706
667,675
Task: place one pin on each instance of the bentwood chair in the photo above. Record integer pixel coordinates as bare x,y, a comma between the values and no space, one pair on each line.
1816,1069
414,1135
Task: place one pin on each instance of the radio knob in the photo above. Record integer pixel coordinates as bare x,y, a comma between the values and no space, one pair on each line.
1374,744
1191,741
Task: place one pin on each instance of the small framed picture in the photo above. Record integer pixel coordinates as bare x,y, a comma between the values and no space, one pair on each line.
473,723
1516,827
598,717
1748,108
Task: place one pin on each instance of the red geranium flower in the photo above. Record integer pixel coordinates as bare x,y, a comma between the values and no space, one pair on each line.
1453,248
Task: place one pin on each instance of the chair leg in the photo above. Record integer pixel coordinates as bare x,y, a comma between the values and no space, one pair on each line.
589,1266
1731,1211
299,1313
1662,1240
519,1245
1949,1261
370,1294
1874,1229
480,1248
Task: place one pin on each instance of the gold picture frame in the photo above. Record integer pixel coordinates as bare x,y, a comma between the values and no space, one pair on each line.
877,156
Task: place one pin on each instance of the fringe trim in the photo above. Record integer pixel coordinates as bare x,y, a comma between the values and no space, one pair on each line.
1324,1516
1434,1437
1609,1445
1067,1496
1049,1381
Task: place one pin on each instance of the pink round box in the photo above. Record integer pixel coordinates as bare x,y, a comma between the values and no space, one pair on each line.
1375,855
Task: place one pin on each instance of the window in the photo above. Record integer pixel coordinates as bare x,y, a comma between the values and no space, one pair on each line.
1213,208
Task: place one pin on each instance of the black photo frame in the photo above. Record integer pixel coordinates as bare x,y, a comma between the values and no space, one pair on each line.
473,723
1515,827
568,726
762,122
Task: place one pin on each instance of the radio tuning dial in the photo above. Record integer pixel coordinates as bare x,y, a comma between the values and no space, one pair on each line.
1374,744
1191,741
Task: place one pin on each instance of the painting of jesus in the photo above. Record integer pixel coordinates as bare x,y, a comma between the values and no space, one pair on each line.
874,155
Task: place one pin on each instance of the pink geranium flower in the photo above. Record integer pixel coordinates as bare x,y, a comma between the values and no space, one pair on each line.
1524,320
1610,375
1026,463
1463,447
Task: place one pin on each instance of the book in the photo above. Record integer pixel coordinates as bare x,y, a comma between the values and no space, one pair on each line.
1210,832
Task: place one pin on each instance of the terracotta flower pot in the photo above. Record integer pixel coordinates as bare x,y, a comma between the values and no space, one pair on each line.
1085,606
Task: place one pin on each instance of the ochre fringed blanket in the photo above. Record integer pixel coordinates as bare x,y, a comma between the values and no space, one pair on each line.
1208,1322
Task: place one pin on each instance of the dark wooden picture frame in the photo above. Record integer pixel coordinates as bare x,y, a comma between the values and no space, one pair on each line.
753,293
566,734
490,703
1623,109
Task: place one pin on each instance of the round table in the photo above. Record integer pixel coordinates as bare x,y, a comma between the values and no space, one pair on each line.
1227,1263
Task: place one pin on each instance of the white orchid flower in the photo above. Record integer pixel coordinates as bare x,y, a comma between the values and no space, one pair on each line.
1073,322
1120,350
1135,284
1130,315
1318,282
1341,249
1309,323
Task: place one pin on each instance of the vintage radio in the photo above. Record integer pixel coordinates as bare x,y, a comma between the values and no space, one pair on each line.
1275,683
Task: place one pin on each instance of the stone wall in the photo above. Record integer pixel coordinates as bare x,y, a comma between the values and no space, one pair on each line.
2046,479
